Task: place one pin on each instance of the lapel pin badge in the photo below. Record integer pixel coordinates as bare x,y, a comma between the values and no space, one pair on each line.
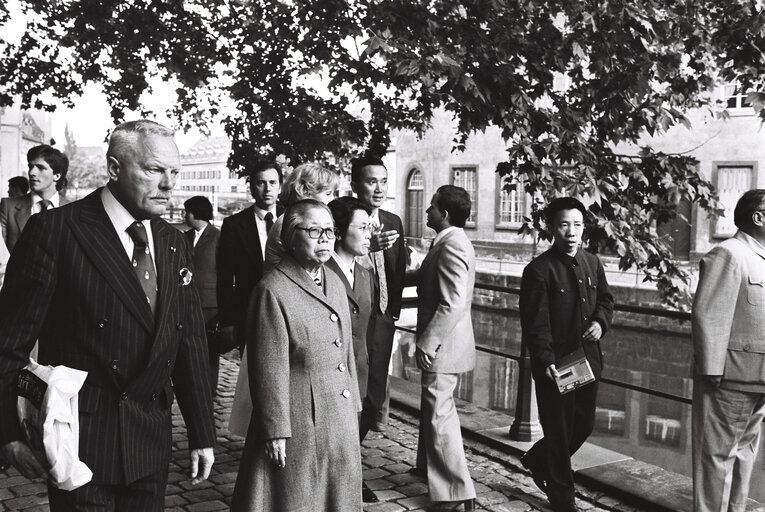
185,276
172,248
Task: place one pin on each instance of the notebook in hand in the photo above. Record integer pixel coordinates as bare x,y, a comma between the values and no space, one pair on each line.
573,371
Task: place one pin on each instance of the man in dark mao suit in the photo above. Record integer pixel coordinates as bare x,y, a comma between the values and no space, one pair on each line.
104,284
203,240
565,304
387,260
241,248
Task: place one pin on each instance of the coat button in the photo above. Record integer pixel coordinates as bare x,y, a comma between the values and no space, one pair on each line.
333,317
341,367
115,364
346,393
168,363
123,396
102,323
179,326
355,311
583,299
154,396
338,342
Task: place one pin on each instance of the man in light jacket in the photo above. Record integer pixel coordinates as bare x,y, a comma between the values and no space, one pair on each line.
728,333
445,348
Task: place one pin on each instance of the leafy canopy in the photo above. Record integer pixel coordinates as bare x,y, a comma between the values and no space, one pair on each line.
323,79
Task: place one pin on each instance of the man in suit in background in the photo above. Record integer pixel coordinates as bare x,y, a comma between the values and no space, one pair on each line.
104,283
203,239
242,247
554,324
387,259
18,186
445,348
729,355
47,175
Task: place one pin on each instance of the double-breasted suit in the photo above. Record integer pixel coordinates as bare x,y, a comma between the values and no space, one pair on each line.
204,254
14,214
302,377
70,283
728,332
361,303
445,284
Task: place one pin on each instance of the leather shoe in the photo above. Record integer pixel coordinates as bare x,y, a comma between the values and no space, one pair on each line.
367,494
418,472
453,506
538,480
565,507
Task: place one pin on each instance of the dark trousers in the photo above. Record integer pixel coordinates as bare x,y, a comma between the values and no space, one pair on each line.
209,314
146,495
380,348
567,421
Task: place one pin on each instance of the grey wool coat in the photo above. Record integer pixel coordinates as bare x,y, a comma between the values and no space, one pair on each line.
303,385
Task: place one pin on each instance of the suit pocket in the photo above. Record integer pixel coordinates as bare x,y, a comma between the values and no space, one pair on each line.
89,399
755,291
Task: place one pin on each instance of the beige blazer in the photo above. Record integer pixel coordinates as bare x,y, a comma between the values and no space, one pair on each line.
14,214
728,317
445,296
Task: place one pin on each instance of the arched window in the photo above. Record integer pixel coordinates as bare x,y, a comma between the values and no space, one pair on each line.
415,212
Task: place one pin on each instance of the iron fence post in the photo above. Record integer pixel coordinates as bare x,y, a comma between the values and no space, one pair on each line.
525,427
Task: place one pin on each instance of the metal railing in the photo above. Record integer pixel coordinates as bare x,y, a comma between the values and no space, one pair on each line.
526,425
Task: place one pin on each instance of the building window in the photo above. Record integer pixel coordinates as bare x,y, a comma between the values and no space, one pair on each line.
467,178
512,203
734,97
732,180
414,204
662,430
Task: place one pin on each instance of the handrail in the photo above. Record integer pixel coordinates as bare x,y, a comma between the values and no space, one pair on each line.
678,315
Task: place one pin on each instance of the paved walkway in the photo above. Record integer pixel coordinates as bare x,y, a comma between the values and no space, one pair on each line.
502,485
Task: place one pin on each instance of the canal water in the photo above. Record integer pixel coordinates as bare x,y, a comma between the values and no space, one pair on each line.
647,428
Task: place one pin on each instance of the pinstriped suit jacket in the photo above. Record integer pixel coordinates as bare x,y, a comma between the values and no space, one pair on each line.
70,284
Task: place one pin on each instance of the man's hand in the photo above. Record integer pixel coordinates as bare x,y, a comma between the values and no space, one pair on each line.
424,361
551,372
276,451
22,458
383,240
594,332
201,463
712,380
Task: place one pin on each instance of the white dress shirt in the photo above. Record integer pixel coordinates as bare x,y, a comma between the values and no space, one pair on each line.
121,220
347,271
198,234
36,200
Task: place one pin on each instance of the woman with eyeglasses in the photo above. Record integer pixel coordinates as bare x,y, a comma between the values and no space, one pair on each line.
302,451
306,181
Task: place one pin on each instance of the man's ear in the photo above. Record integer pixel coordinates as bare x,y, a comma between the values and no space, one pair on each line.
353,188
112,168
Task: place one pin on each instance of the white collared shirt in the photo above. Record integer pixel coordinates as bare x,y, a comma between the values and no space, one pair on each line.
36,200
260,221
317,275
374,218
198,234
121,220
349,272
443,233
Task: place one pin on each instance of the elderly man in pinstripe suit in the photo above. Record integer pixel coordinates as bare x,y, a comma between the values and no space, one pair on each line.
104,284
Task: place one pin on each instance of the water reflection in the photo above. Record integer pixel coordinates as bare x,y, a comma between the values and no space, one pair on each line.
652,429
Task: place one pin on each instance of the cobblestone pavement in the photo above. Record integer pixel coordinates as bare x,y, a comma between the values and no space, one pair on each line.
502,485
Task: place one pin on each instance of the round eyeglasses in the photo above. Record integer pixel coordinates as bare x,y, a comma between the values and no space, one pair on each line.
317,232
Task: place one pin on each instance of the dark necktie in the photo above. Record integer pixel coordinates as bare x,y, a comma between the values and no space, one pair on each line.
45,204
143,264
269,218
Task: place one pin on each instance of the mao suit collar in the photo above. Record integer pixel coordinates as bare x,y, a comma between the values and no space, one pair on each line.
751,243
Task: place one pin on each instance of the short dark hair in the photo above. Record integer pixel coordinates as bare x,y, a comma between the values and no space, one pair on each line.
200,207
750,202
357,164
20,182
57,161
456,201
263,165
558,205
343,209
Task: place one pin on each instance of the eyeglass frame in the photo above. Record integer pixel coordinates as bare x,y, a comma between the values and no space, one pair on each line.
331,233
369,228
